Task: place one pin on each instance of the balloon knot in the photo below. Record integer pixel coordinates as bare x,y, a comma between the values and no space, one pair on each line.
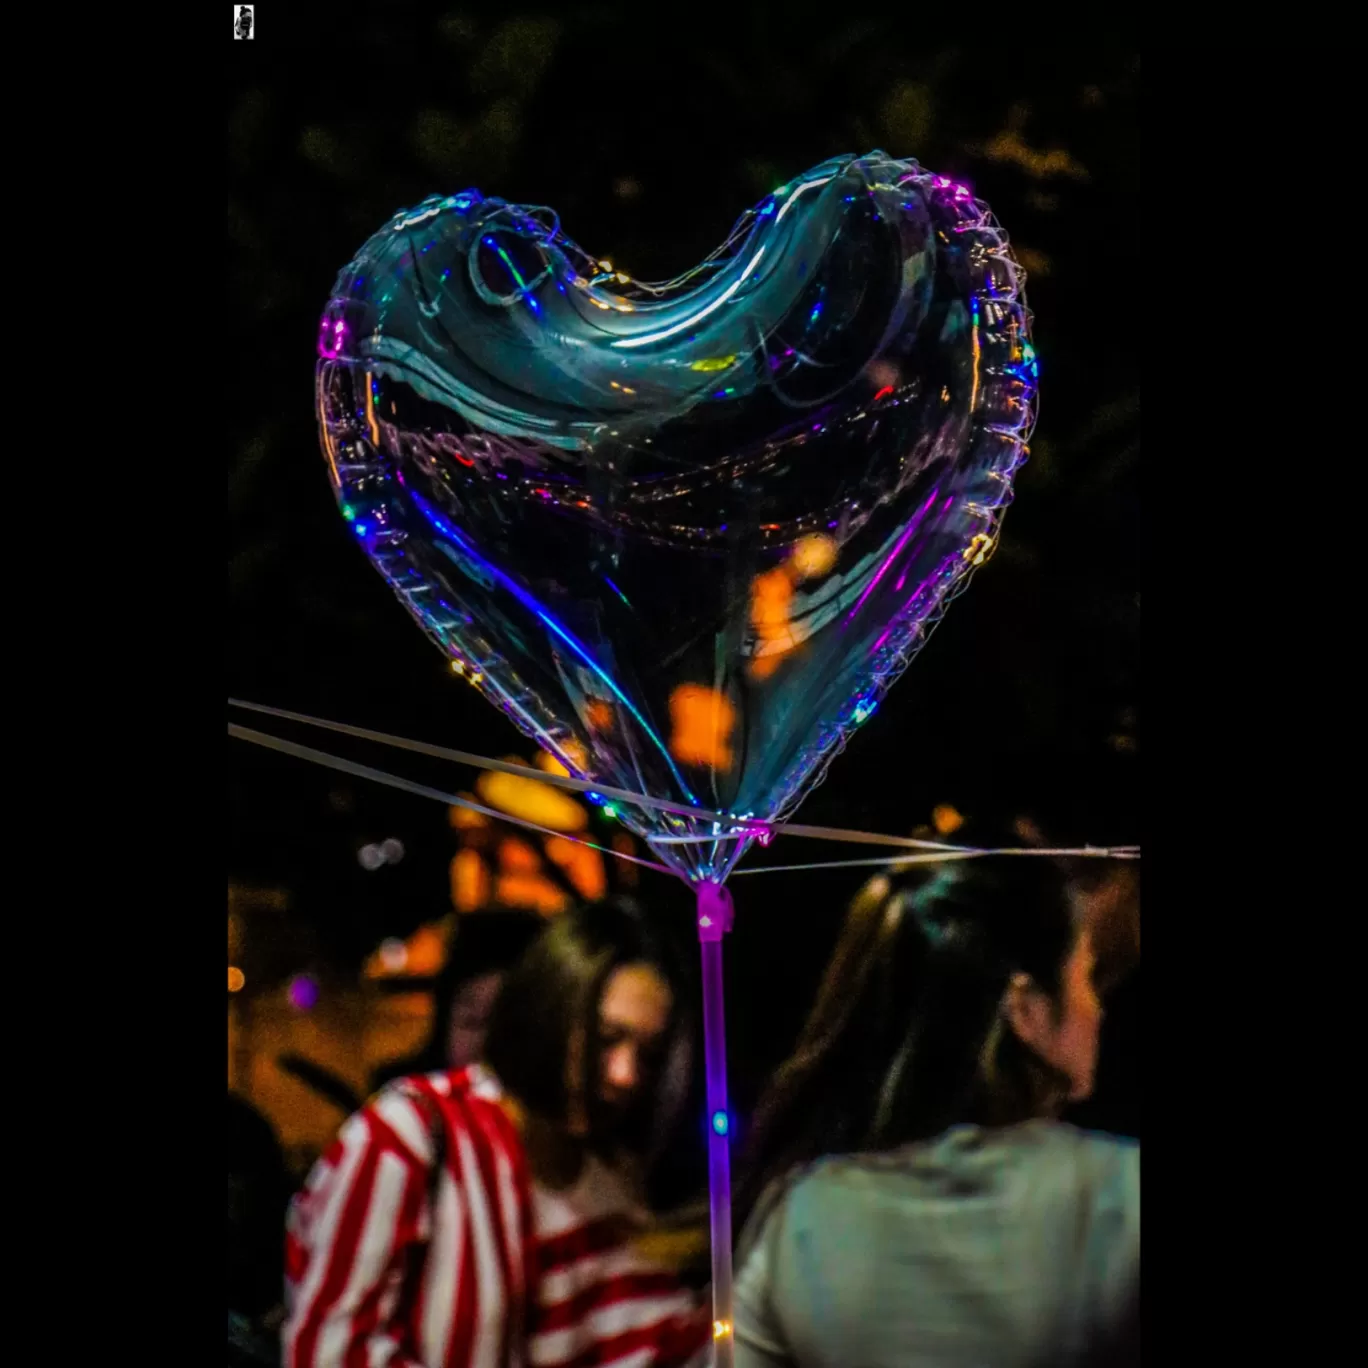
715,911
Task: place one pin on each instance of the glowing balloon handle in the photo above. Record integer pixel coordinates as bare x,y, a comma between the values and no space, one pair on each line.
715,916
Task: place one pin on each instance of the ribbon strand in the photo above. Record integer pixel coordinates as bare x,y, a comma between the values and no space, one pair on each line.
930,851
420,790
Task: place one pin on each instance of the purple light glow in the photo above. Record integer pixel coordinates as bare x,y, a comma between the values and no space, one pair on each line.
339,329
303,992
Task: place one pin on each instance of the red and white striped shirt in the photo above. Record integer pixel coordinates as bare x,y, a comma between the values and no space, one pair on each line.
496,1272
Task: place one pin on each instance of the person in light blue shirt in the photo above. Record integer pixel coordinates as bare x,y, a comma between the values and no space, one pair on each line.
911,1200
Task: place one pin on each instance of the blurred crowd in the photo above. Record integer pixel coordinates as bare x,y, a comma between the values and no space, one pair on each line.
945,1169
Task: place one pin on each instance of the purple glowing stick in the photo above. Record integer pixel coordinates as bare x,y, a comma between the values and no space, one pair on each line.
714,921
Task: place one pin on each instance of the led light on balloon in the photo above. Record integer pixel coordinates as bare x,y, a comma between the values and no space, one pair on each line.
979,549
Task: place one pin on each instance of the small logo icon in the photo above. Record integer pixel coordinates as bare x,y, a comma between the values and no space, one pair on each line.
244,21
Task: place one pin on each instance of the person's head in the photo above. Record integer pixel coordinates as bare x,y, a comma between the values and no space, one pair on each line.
486,946
959,995
590,1032
483,949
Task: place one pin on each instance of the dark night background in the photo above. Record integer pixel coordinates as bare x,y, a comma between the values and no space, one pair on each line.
649,138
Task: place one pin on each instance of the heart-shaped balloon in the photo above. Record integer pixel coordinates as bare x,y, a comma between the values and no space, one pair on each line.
684,535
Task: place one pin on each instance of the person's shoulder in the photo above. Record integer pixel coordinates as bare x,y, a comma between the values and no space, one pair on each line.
444,1087
1107,1164
468,1100
812,1181
1098,1147
405,1115
966,1149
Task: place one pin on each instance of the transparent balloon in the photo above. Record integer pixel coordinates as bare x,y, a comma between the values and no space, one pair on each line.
685,535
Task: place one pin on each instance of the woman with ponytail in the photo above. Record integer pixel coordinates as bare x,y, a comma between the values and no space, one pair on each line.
911,1198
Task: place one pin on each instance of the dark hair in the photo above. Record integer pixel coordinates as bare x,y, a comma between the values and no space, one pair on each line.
553,996
483,943
906,1037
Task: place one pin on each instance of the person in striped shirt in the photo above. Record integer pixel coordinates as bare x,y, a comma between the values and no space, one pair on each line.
492,1217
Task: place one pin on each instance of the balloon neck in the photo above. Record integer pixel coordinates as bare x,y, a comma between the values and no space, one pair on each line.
715,912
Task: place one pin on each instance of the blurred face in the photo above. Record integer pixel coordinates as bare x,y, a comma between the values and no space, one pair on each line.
470,1019
633,1021
1064,1034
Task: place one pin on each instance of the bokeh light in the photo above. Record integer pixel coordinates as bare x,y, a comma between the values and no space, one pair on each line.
531,801
814,556
469,881
946,820
303,992
704,721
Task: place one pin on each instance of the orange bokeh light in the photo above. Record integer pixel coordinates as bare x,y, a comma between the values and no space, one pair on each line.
517,857
469,881
548,762
236,979
530,891
582,864
814,556
463,819
703,724
426,951
575,754
599,714
422,955
771,597
946,820
532,801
